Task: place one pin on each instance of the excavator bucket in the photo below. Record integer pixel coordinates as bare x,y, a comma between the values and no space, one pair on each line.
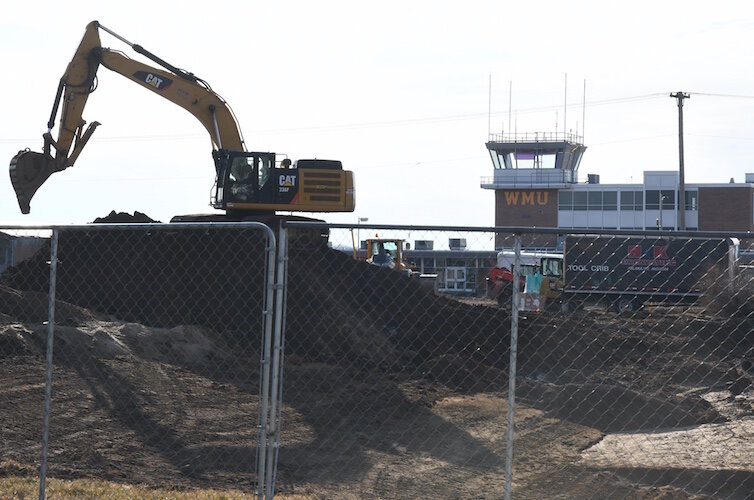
28,171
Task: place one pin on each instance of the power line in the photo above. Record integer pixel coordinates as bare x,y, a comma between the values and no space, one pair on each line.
735,96
401,122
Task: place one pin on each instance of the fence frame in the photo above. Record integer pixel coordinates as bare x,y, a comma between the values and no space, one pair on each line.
272,321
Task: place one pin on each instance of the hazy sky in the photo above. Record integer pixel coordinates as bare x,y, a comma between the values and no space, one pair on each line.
398,91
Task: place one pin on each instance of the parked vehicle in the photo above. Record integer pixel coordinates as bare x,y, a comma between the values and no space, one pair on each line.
627,271
549,266
391,253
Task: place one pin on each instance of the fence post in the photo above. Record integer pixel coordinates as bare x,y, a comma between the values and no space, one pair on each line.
512,369
48,367
264,390
276,386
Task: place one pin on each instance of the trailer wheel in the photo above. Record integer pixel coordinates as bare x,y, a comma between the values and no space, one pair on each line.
624,304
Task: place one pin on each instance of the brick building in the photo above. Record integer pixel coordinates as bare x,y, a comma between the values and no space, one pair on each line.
536,184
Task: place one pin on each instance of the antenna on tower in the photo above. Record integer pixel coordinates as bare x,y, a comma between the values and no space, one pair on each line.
489,108
556,123
583,114
510,103
565,105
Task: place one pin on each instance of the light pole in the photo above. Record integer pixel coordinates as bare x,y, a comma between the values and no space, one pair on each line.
358,233
662,206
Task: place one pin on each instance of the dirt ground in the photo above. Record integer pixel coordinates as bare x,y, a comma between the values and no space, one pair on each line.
389,390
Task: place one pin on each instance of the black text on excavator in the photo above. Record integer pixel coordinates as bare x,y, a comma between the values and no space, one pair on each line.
246,183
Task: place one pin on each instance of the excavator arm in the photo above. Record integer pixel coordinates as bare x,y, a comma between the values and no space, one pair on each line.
29,170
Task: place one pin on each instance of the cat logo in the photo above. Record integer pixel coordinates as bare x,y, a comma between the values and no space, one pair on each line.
157,82
287,180
286,183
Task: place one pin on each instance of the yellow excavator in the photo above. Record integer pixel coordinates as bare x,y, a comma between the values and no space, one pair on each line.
246,183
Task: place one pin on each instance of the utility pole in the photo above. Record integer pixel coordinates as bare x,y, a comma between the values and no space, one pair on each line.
680,96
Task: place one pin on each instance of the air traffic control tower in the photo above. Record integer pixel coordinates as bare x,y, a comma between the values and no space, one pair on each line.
529,170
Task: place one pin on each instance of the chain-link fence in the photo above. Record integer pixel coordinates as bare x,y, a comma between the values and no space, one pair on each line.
156,362
420,362
631,359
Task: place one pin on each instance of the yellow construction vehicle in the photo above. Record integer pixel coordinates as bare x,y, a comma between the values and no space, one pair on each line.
541,279
385,252
246,183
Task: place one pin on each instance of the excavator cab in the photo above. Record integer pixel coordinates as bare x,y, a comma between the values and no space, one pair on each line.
385,253
244,178
254,181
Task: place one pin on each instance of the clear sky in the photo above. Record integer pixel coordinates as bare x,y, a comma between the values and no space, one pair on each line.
404,93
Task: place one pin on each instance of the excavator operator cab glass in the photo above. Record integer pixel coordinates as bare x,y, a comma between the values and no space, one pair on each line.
384,253
247,176
241,169
265,164
552,266
242,178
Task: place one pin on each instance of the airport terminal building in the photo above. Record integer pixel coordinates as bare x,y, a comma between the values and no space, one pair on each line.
536,184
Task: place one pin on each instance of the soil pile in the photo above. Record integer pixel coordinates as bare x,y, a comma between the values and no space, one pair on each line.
338,310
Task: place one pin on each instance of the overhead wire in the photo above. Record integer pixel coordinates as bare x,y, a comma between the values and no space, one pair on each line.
411,121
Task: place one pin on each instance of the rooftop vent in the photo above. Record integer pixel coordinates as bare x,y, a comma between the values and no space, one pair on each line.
592,178
424,245
457,243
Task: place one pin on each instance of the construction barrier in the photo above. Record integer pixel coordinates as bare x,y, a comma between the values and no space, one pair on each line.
380,362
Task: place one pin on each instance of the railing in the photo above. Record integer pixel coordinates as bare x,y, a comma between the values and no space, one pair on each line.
529,177
537,137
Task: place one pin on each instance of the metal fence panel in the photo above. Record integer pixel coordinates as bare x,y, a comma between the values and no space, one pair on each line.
23,333
159,349
394,385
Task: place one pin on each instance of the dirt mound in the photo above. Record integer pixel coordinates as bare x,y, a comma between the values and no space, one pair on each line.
339,310
124,217
32,306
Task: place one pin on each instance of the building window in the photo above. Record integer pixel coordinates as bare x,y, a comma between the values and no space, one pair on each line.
632,200
579,200
427,265
594,200
588,200
665,197
692,200
668,199
653,200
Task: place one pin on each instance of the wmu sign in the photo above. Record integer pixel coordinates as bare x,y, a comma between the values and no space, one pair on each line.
524,198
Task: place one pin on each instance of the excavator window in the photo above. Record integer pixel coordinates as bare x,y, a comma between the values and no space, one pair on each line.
249,178
243,178
551,267
242,169
265,168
